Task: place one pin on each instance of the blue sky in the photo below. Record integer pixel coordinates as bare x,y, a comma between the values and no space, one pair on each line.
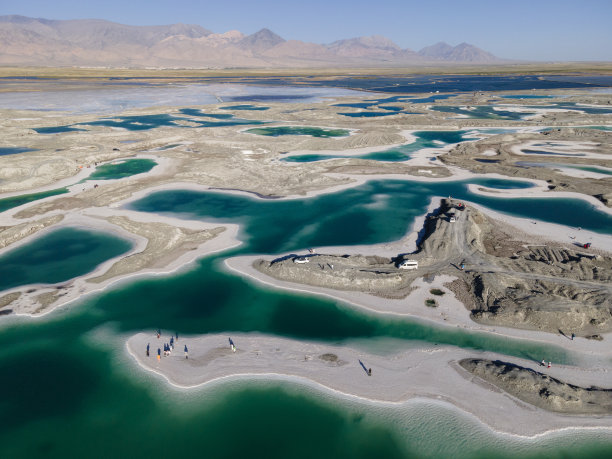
549,30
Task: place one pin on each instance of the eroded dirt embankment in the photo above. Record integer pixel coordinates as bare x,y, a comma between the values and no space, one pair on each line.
540,389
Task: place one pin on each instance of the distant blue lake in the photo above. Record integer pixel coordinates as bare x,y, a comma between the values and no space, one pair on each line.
527,96
4,151
367,114
147,122
56,129
549,153
498,112
447,83
197,112
581,167
277,131
481,112
245,107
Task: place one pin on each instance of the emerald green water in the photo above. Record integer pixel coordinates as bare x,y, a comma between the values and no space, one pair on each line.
9,203
72,392
122,169
58,256
299,130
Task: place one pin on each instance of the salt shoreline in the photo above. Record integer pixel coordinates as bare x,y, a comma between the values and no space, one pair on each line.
429,372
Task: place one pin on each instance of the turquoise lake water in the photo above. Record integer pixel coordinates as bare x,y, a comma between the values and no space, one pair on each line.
197,112
122,169
58,256
299,130
56,129
9,203
93,402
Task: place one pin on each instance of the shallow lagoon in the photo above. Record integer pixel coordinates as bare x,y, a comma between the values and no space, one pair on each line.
5,151
276,131
58,256
245,107
146,122
9,203
122,169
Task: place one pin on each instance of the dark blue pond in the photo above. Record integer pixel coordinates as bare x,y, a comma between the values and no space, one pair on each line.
146,122
444,83
56,129
245,107
4,151
526,96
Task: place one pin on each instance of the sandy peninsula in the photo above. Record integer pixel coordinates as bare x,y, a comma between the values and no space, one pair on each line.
395,377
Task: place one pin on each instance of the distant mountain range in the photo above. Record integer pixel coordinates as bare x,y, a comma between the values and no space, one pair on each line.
28,41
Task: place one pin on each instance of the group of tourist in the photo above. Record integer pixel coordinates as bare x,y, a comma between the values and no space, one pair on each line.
168,347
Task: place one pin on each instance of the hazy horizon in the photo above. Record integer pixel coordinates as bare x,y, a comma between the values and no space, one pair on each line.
541,31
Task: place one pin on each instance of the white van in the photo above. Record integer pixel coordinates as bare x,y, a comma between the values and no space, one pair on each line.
409,264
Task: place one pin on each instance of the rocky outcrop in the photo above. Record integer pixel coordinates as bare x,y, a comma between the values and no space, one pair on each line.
540,389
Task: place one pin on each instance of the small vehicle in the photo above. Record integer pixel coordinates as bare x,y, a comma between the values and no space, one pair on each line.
452,219
409,264
301,260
